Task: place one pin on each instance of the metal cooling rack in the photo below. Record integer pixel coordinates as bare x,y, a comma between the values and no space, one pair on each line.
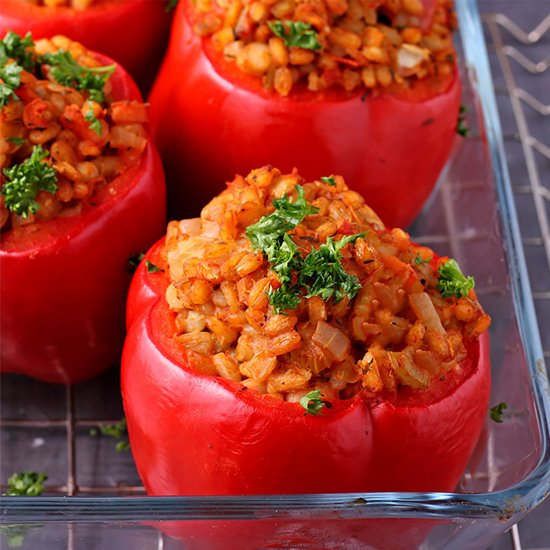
520,80
518,43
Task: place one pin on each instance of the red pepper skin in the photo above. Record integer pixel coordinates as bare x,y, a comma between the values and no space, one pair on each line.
133,32
211,121
193,434
64,282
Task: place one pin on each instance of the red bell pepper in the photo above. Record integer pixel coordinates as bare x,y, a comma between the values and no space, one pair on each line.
132,32
64,281
211,121
194,434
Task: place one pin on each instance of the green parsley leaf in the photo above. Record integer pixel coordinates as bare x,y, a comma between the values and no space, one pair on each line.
329,180
25,180
497,412
323,274
452,281
67,72
419,261
15,140
295,34
268,233
313,403
89,116
29,484
461,123
134,260
14,47
284,298
118,431
10,79
151,267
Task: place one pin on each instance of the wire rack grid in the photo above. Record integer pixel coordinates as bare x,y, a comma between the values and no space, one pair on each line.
73,415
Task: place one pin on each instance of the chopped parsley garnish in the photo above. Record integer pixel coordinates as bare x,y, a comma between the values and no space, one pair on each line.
10,79
268,234
329,180
67,72
89,116
151,267
313,403
17,48
461,123
25,180
322,273
418,260
452,281
295,34
29,484
15,140
497,412
118,431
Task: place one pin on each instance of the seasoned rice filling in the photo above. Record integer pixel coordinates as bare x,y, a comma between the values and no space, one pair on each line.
62,137
287,286
356,44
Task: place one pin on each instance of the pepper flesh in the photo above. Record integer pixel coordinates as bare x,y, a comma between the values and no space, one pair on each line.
64,281
390,147
193,434
132,32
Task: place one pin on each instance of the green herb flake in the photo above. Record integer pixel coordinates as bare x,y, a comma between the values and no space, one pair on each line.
418,260
295,34
171,5
25,180
313,403
67,72
118,431
12,46
497,412
329,180
16,140
461,123
89,116
134,261
151,267
29,484
10,79
323,274
452,281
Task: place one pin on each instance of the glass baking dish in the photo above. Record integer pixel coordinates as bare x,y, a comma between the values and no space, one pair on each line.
471,217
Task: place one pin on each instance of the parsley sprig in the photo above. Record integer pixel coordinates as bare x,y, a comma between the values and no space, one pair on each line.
497,412
323,274
314,403
320,273
295,34
28,484
118,431
10,79
25,180
67,72
89,116
452,282
12,46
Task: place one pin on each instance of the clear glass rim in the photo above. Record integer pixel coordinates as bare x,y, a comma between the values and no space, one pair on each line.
506,504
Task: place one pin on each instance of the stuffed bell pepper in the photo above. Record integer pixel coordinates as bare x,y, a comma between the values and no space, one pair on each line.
82,190
366,89
286,342
132,32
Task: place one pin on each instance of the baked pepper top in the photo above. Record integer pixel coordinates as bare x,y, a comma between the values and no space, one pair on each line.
291,287
356,44
63,138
